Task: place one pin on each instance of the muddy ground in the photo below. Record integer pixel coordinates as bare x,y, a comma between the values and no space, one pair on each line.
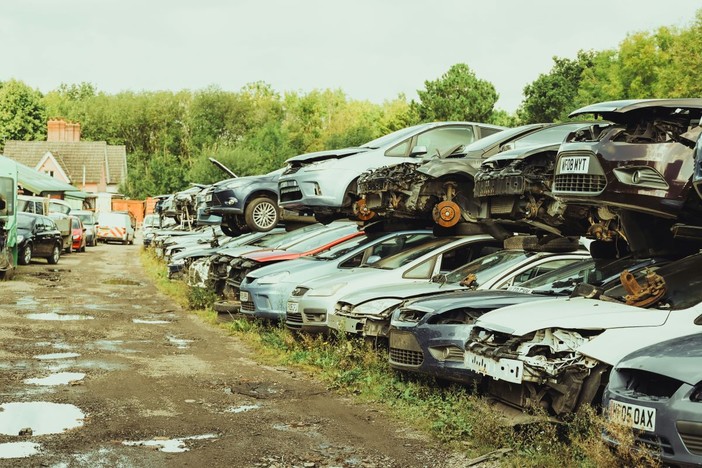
154,373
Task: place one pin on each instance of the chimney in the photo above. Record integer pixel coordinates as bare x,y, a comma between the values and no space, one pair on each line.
53,132
59,130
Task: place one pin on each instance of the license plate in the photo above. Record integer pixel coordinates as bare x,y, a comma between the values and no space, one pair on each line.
509,370
575,165
638,417
244,296
292,307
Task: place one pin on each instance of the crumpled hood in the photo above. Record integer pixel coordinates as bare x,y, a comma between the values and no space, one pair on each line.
486,299
521,153
396,291
328,154
680,358
571,314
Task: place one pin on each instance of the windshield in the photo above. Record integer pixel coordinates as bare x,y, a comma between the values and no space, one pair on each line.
407,256
25,222
683,280
320,239
341,249
489,266
499,138
86,218
392,137
75,223
547,136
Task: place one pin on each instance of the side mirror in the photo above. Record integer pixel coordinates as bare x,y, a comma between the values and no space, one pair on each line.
372,259
438,278
418,151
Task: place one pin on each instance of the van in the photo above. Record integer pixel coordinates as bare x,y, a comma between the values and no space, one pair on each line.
116,226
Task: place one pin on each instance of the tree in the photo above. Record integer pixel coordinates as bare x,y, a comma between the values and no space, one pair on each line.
552,96
457,95
22,113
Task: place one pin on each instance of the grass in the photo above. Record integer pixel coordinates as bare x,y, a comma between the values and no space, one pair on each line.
452,414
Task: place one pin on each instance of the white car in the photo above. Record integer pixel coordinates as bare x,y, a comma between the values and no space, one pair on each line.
312,302
320,183
557,354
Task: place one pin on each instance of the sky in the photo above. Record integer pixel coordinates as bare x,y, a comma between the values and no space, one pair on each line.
371,49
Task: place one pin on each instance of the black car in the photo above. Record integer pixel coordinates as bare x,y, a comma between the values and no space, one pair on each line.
37,237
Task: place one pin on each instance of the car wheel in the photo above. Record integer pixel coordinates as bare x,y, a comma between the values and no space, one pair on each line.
25,255
55,255
261,214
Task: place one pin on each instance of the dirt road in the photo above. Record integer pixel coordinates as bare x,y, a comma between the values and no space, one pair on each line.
142,373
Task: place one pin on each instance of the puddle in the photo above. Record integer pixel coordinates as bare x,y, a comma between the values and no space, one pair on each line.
168,445
50,356
179,343
97,365
242,409
150,322
19,449
55,316
62,378
41,416
29,302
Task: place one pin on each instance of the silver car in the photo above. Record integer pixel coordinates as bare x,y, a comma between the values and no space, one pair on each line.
320,183
312,302
264,292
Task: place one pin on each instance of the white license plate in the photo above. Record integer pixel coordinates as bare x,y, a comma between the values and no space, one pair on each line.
244,296
509,370
292,307
638,417
575,165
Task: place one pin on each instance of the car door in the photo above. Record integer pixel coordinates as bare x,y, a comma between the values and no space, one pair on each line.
43,238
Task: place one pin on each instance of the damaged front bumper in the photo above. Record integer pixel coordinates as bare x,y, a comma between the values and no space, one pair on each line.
395,190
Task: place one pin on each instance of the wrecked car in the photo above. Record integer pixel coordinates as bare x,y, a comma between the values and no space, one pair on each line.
637,167
437,191
428,335
325,183
367,312
312,302
245,203
557,354
319,241
514,187
264,292
657,392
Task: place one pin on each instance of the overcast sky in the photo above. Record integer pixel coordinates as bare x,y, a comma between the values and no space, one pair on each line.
371,49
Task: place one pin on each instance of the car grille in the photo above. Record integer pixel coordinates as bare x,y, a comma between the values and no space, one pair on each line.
248,306
453,353
691,435
579,183
654,443
293,320
510,185
406,357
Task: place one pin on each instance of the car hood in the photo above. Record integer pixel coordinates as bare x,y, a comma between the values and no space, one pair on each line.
488,299
571,314
522,153
625,110
680,358
397,291
328,154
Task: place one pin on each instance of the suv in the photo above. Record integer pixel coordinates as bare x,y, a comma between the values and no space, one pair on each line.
325,183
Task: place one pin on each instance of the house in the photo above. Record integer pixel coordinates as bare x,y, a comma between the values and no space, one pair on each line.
92,166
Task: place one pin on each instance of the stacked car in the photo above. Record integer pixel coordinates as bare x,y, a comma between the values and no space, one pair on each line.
549,266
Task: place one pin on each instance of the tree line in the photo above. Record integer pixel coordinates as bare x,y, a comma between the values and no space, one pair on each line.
170,135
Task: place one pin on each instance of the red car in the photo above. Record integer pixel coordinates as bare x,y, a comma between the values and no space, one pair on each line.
78,232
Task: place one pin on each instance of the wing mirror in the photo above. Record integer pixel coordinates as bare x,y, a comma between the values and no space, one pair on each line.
418,151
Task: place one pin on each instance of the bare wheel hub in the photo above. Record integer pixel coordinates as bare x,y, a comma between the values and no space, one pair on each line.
362,211
446,214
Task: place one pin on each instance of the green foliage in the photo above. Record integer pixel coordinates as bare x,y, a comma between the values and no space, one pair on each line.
22,112
201,298
457,95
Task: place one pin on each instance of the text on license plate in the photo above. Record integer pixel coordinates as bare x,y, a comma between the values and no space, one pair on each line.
292,307
244,296
575,165
638,417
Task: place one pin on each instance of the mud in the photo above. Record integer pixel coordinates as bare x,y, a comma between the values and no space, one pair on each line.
179,383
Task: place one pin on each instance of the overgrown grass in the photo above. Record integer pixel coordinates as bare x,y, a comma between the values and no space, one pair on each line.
453,414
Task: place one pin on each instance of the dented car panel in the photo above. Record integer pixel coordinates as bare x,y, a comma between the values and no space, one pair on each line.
657,390
642,161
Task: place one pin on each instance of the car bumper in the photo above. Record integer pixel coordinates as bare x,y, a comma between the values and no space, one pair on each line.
310,191
310,314
266,302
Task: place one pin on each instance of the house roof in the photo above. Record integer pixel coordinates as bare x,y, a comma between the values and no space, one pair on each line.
42,184
94,156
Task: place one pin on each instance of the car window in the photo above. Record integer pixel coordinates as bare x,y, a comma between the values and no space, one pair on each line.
422,271
391,137
386,248
538,270
316,241
409,255
487,267
439,141
499,137
75,223
454,258
546,136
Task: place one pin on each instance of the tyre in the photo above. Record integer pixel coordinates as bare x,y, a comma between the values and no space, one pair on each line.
25,255
261,214
55,255
229,231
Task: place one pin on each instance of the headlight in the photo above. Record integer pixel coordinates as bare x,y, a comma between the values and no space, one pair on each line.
696,394
76,237
376,306
271,279
328,291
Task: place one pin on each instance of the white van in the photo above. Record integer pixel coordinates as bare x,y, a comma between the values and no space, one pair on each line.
116,226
